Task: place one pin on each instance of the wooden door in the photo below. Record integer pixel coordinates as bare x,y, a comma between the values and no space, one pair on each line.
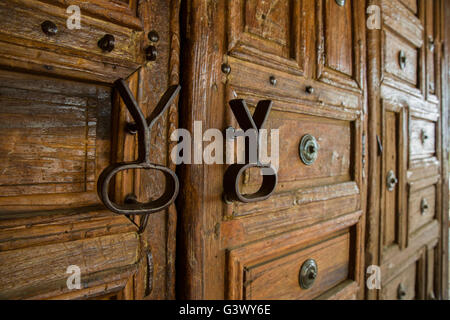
408,191
62,123
308,57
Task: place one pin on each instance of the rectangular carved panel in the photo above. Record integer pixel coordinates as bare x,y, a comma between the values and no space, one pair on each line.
430,41
340,43
279,278
394,47
393,178
35,270
332,165
422,139
421,208
49,143
391,200
338,35
267,32
403,287
70,52
269,20
411,4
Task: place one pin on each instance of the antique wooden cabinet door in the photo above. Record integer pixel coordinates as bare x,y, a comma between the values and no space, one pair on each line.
308,57
407,221
61,124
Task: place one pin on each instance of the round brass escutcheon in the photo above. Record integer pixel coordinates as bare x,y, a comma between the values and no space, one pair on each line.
308,274
309,149
340,3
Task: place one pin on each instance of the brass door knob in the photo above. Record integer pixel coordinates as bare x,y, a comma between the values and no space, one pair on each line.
402,59
431,44
308,274
423,206
391,180
401,291
424,136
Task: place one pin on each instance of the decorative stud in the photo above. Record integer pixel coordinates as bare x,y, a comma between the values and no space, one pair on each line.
273,80
226,68
153,36
151,53
49,28
107,43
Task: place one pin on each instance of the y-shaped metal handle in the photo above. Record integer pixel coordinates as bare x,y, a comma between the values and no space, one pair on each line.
143,128
252,125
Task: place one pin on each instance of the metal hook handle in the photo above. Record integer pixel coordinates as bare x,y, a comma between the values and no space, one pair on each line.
143,128
234,172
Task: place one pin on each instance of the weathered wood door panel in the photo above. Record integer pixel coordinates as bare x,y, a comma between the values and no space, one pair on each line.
62,123
404,238
375,193
308,58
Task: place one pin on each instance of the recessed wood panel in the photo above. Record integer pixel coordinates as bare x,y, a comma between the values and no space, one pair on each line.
49,137
279,278
70,52
269,20
393,47
267,32
411,4
338,36
405,282
422,139
34,270
340,43
391,197
431,42
335,140
418,217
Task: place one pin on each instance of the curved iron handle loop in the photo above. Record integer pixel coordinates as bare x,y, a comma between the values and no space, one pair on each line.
231,183
233,173
143,127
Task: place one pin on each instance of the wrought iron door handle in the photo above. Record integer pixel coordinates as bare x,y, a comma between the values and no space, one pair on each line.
232,175
143,128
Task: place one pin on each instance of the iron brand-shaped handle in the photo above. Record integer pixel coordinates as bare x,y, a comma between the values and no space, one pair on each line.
143,128
232,175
